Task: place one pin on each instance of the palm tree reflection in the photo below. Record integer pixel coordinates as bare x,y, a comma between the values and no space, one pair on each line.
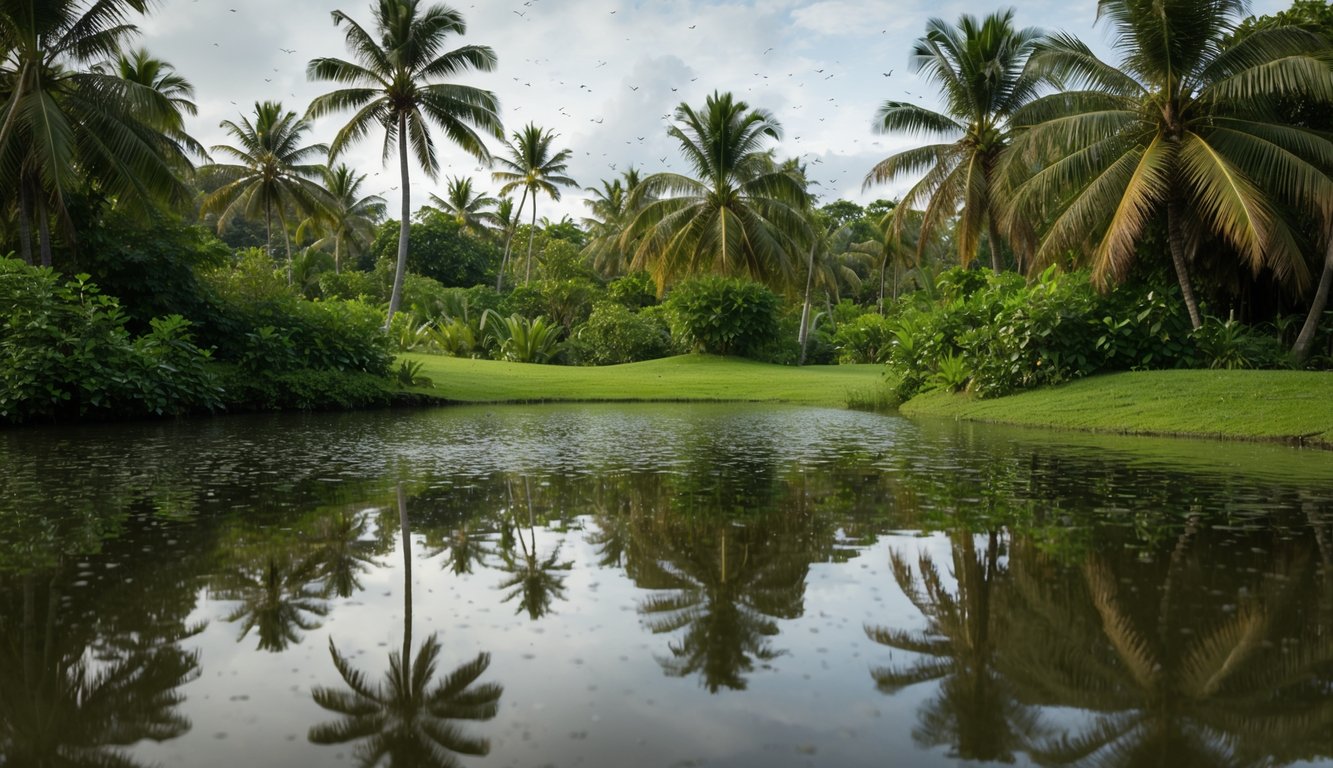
61,707
277,597
408,719
976,712
536,581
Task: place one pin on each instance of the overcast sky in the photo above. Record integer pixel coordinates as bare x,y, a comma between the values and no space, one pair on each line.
607,74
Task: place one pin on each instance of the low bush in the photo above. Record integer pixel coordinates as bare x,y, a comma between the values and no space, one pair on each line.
304,389
723,316
865,339
614,335
65,351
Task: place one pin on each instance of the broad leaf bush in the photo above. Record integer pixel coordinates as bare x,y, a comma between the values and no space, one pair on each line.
994,334
614,335
723,315
65,351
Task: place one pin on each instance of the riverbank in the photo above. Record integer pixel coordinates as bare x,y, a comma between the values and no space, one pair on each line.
1281,406
702,378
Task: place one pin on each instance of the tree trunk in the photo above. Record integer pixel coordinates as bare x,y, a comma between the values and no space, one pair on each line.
993,234
804,333
407,577
532,235
403,228
287,245
268,229
1305,340
883,269
509,241
1176,236
43,231
25,224
337,255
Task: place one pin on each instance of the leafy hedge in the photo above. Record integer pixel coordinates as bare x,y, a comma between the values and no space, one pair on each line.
723,315
65,351
994,334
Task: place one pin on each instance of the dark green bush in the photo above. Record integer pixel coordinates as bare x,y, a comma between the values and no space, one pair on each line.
304,389
65,351
866,339
635,290
614,335
997,334
723,315
265,327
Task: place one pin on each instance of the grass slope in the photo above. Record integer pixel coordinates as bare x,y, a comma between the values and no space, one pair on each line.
689,377
1293,406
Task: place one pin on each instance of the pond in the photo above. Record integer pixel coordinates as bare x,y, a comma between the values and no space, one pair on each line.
658,585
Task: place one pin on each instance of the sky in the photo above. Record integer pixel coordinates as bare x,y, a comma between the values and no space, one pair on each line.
606,75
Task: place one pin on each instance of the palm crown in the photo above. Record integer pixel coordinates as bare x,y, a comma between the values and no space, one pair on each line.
980,67
532,166
392,86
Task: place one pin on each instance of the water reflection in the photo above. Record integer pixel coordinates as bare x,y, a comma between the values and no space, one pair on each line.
669,585
409,719
74,697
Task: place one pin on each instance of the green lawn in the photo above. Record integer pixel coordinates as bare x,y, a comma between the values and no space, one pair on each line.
1294,406
689,377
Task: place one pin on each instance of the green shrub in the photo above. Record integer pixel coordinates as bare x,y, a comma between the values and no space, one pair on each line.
349,285
723,316
614,335
457,338
1232,345
65,351
522,340
997,334
635,290
865,339
304,389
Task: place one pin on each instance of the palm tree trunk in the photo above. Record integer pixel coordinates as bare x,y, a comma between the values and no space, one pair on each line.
43,231
532,235
25,224
407,577
287,244
993,234
804,333
1176,236
1301,351
404,230
509,241
337,255
268,229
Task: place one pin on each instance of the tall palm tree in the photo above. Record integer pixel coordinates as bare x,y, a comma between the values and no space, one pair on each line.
142,68
63,124
743,215
468,207
349,220
506,215
609,213
272,174
1184,129
532,166
393,85
979,65
408,720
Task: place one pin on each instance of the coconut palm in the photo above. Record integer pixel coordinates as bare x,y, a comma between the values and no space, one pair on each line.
1183,129
468,207
272,174
64,124
532,166
979,65
142,68
408,720
349,220
609,213
394,85
743,215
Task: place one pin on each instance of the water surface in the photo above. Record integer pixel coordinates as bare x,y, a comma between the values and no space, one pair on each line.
659,585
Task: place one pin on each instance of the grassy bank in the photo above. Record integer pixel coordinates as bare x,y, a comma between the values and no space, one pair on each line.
1291,406
689,377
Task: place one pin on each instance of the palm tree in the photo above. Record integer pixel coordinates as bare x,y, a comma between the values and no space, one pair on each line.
609,214
531,165
64,124
390,87
140,67
350,219
742,216
276,598
980,68
405,721
468,208
272,173
1184,129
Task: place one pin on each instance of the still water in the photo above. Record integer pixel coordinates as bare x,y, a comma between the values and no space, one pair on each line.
662,585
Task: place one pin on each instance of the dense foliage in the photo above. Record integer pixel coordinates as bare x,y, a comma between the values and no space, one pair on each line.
723,315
